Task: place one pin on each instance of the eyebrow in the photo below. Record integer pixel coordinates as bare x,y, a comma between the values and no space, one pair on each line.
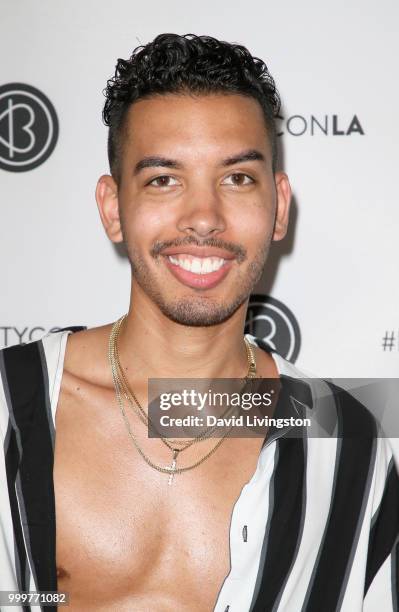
156,162
250,155
165,162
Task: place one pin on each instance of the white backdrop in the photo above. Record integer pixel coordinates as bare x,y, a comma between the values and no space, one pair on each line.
337,268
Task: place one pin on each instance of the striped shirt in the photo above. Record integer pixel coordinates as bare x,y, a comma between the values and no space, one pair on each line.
314,530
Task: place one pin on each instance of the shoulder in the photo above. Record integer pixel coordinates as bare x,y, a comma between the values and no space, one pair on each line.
331,406
86,355
337,413
29,370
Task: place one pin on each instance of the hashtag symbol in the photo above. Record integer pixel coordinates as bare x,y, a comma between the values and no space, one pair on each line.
388,341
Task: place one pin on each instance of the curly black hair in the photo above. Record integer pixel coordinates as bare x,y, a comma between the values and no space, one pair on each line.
194,64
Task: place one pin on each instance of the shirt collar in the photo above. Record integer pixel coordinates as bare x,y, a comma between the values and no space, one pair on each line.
295,397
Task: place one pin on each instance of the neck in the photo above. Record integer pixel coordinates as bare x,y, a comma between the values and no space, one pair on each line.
151,345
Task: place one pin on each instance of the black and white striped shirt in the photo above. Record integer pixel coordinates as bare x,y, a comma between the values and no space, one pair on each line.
314,530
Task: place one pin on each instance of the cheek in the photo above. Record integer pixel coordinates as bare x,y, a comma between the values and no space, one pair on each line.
253,227
146,224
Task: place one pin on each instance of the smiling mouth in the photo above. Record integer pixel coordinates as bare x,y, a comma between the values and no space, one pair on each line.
198,272
197,265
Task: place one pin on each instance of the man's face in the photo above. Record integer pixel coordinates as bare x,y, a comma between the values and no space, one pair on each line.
197,203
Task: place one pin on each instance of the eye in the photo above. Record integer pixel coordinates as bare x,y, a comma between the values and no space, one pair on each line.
163,181
238,179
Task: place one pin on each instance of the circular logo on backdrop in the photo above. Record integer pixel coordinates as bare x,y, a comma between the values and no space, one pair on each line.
28,127
274,323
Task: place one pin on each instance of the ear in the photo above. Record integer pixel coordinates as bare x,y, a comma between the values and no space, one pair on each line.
283,190
108,207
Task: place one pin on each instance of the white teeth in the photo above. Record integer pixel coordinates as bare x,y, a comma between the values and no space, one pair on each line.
206,266
198,265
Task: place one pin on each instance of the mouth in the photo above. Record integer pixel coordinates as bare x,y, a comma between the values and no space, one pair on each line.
203,272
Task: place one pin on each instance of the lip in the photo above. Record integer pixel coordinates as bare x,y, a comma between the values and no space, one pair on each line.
197,251
198,281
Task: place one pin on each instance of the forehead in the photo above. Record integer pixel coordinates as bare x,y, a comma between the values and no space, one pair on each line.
211,124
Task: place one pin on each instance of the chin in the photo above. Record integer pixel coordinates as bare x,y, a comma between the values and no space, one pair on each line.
193,313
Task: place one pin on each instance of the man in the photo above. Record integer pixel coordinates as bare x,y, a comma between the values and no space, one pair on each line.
275,523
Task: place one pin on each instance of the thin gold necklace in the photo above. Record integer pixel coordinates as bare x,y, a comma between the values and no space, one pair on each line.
122,389
137,408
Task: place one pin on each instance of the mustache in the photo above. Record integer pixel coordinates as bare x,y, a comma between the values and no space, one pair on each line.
236,249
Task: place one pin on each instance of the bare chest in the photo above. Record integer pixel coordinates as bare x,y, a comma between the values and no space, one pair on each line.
126,538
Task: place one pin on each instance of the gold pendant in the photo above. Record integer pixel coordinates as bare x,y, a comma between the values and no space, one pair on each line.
173,466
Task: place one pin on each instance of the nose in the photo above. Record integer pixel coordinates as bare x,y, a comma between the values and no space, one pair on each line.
201,213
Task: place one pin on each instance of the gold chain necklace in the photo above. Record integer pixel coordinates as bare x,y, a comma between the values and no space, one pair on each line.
138,409
135,405
122,389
